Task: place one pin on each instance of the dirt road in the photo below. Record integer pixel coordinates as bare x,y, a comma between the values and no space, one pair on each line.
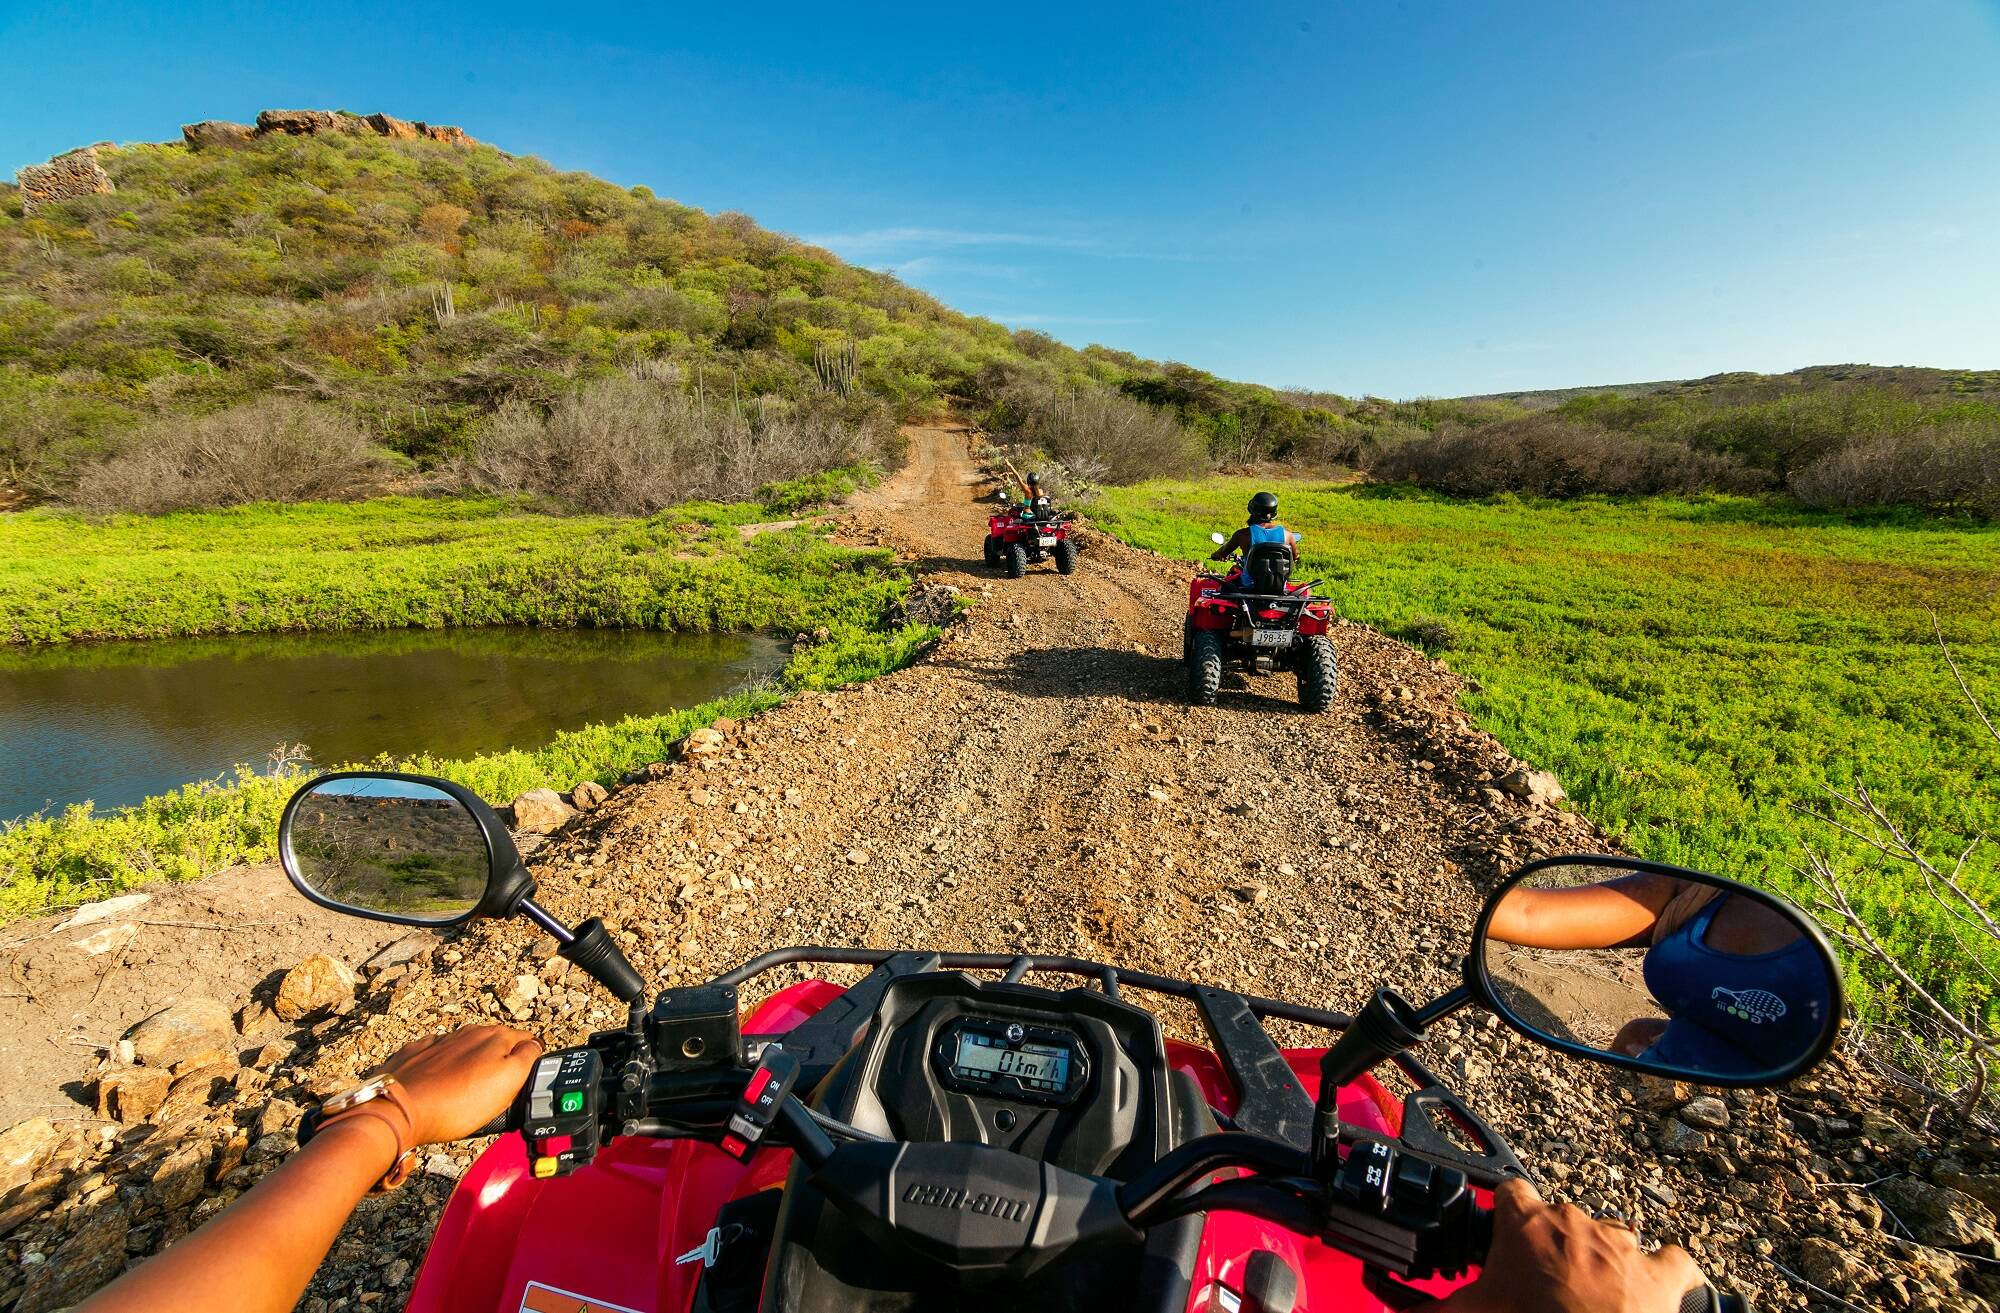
1037,783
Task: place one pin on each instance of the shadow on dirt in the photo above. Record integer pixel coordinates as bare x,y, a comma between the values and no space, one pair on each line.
974,565
1098,672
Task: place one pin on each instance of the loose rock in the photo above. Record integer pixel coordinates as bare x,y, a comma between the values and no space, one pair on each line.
318,983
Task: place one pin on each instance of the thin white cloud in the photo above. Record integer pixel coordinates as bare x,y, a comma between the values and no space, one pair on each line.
1071,321
882,241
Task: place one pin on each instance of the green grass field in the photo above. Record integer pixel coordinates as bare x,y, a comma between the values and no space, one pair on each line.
403,562
1690,669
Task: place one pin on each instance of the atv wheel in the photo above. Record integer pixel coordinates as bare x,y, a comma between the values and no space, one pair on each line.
1204,667
992,552
1318,672
1017,560
1065,553
1187,641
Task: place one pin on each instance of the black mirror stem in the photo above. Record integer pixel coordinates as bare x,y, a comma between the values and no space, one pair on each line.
592,948
1387,1026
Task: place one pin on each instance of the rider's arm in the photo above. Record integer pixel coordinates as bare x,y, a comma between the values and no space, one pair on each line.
1237,542
258,1253
1616,914
1555,1258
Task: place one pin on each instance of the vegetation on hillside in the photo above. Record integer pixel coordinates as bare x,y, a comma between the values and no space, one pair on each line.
418,289
1694,670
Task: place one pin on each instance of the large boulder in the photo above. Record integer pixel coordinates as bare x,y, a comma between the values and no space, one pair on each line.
217,134
706,742
540,810
65,178
588,795
297,122
314,985
25,1147
390,126
132,1094
1938,1214
1537,786
187,1029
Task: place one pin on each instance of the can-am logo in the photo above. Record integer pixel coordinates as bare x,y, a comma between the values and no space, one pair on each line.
947,1196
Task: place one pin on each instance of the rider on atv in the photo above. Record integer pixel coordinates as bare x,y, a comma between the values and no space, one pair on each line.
1262,528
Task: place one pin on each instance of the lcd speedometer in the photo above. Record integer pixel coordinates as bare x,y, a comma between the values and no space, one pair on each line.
1039,1064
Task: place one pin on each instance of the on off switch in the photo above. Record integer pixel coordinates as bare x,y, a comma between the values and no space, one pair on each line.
757,1107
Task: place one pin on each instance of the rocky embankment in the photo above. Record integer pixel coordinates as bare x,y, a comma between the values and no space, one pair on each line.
1035,784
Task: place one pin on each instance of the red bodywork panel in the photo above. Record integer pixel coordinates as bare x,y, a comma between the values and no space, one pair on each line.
1208,609
1010,528
609,1234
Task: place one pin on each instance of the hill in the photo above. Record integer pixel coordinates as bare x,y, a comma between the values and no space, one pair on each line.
401,297
325,304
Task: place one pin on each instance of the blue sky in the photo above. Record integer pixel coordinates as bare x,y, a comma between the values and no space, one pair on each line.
1407,198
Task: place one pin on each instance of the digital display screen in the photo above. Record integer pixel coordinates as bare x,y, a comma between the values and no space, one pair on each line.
1035,1066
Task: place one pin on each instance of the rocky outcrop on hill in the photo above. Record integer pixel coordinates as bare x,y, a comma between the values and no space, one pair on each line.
213,134
78,173
64,178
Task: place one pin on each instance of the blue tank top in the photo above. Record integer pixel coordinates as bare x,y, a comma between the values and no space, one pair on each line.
1734,1013
1267,533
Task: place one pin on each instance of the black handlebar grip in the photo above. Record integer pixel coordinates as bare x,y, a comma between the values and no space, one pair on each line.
1707,1299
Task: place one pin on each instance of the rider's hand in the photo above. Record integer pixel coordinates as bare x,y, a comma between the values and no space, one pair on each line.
1556,1258
454,1084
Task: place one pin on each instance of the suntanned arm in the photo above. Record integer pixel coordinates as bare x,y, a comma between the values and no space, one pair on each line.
1238,541
1616,914
258,1254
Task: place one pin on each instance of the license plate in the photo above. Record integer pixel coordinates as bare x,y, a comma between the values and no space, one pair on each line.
1270,638
1048,540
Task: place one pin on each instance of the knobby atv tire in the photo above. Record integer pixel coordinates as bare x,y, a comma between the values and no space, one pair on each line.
992,552
1017,560
1204,667
1065,553
1318,672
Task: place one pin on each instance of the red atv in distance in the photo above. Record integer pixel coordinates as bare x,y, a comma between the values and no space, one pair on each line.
1257,618
1034,532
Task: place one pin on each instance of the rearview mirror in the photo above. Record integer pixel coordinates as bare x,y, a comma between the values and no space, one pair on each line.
402,848
1658,969
1218,540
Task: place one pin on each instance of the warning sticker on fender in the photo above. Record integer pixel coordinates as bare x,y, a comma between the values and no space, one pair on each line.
538,1298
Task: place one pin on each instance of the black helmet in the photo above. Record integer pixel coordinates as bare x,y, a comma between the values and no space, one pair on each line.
1033,478
1263,507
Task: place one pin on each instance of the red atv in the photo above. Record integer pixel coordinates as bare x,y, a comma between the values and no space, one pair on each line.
944,1134
1257,618
1033,532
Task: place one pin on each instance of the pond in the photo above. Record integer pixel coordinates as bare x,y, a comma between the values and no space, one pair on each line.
118,722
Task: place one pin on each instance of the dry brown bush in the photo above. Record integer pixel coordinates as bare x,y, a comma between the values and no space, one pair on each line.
1546,455
1104,436
630,446
1952,470
274,449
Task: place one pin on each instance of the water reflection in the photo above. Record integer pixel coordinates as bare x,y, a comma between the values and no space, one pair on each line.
117,722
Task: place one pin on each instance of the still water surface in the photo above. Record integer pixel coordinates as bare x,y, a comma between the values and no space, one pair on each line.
117,722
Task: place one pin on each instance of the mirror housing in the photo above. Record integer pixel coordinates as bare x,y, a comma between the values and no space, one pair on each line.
508,884
1735,1017
1218,540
